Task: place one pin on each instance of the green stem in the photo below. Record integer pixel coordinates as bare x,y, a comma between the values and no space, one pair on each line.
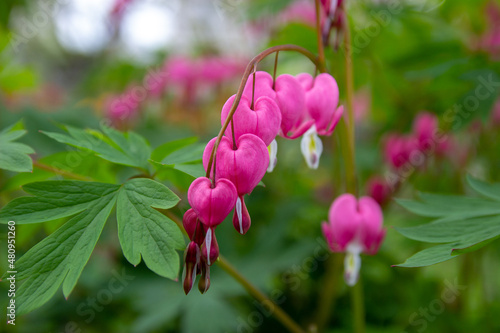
358,307
278,312
328,291
321,51
223,263
351,181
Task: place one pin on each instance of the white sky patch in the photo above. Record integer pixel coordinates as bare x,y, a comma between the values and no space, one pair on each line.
147,28
81,26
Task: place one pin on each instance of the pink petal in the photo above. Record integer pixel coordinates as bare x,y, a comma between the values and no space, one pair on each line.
264,120
212,205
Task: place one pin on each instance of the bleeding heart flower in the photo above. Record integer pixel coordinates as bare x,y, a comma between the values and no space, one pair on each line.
191,261
379,190
212,203
241,217
210,247
398,149
322,98
288,95
189,222
263,120
263,86
354,226
425,127
244,166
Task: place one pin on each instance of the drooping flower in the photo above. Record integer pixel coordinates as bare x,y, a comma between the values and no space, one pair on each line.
288,94
322,98
212,203
244,165
354,226
263,120
200,253
379,190
425,126
398,149
191,263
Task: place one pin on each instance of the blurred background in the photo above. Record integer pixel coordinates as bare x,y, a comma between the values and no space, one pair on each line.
164,68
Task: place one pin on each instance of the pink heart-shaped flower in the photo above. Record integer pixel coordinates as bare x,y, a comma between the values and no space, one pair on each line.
244,166
212,204
322,98
263,86
263,121
291,99
354,221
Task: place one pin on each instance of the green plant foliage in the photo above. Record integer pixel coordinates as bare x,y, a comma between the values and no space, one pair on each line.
128,149
183,155
61,257
145,231
462,223
14,155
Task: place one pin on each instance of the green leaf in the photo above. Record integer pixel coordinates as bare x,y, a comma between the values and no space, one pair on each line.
54,199
14,155
194,170
61,257
168,148
145,232
443,252
128,149
475,247
430,256
464,223
491,191
443,232
84,164
190,154
435,205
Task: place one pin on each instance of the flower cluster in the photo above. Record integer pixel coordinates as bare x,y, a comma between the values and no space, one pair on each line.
404,152
184,77
237,161
354,226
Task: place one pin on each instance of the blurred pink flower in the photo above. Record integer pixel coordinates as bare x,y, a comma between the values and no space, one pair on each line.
425,126
489,41
379,190
495,113
302,11
398,149
354,226
122,108
361,105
